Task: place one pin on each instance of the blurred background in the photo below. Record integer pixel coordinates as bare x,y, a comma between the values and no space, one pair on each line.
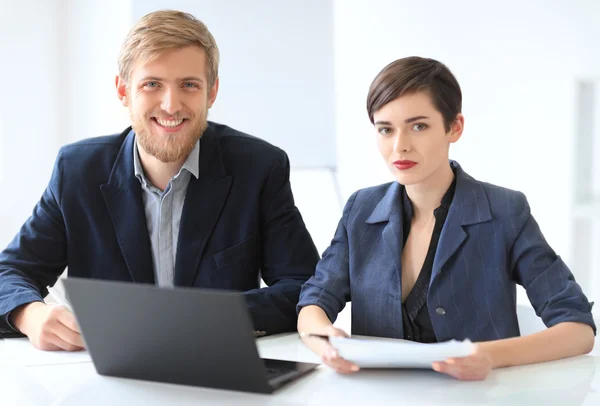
297,72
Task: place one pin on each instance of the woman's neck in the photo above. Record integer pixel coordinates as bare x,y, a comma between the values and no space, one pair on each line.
427,196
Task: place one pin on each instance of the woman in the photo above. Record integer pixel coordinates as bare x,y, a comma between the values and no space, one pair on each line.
436,254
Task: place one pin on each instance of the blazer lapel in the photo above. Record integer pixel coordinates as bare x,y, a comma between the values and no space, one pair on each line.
204,202
469,206
389,210
123,197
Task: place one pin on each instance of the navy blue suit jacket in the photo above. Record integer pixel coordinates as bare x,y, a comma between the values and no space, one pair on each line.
238,223
489,242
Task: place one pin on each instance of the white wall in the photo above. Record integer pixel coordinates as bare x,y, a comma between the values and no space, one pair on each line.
517,62
29,113
91,38
58,69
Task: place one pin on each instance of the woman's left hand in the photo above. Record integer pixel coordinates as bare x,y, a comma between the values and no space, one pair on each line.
474,367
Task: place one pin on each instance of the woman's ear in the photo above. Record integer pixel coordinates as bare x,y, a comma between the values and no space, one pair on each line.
456,128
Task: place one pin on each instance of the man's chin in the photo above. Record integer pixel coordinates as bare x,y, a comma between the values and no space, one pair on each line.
171,150
166,159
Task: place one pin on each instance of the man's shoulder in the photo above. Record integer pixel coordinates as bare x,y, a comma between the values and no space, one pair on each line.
91,159
239,143
104,145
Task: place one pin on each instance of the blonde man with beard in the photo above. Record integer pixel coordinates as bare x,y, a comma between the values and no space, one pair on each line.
174,200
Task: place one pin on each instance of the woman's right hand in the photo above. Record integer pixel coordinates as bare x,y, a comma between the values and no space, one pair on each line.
329,355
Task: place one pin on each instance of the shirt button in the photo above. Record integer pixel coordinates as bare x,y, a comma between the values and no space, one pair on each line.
440,311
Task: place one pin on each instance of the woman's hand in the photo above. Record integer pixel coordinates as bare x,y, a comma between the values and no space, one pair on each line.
329,355
475,367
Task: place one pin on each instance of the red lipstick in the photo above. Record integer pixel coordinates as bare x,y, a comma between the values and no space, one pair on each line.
404,165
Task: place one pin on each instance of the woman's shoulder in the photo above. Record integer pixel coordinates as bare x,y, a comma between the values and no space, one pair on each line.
503,201
372,203
372,195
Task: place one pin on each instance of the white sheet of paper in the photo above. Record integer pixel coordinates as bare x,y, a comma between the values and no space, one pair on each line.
385,353
20,351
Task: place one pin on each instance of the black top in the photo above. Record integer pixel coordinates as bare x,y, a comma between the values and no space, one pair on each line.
415,316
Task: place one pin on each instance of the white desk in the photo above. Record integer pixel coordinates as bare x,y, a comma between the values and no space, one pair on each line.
574,381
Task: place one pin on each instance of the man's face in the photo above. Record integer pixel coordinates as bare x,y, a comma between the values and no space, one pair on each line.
168,100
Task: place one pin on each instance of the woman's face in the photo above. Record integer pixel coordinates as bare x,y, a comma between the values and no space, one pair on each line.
412,138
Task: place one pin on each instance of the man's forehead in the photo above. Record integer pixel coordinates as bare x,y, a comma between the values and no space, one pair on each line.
172,64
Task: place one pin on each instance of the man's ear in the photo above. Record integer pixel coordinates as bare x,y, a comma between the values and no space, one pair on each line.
456,129
212,93
121,86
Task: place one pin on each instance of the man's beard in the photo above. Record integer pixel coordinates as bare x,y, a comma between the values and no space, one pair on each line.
168,147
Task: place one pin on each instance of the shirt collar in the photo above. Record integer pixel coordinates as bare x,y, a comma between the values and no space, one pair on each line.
192,162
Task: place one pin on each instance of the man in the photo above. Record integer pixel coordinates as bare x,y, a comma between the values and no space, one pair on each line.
175,200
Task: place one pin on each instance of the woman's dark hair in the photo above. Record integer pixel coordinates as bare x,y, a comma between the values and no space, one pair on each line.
416,74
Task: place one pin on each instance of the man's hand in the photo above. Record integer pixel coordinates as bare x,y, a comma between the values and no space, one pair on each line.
48,327
474,367
328,354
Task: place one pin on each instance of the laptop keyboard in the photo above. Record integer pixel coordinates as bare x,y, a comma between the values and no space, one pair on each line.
276,372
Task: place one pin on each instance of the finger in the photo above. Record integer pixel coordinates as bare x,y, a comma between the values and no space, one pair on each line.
68,335
464,373
61,344
73,338
44,345
340,364
68,319
462,361
341,368
446,368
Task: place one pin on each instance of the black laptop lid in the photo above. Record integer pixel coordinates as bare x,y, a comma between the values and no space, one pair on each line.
190,336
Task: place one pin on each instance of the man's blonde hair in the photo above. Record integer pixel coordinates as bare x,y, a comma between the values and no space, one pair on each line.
163,30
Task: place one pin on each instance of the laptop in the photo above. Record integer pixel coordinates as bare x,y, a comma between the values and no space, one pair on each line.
189,336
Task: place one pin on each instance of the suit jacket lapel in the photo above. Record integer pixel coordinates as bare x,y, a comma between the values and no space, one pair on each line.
469,206
123,197
389,210
204,202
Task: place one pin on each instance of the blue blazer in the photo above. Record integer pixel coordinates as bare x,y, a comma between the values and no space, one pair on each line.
489,242
238,223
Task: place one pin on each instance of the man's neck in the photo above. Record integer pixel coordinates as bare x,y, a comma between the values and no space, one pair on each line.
427,196
157,172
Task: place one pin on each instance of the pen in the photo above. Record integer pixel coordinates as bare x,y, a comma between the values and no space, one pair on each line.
58,298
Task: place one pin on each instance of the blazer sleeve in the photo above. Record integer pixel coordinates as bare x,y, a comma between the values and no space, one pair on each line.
288,254
36,256
550,285
329,288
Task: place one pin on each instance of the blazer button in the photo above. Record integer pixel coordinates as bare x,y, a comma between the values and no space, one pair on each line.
440,311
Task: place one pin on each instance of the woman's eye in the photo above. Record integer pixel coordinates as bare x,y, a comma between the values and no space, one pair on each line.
384,130
419,127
